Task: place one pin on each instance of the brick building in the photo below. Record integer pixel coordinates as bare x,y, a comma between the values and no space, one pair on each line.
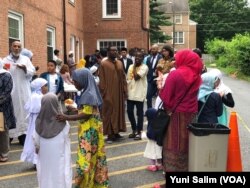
184,28
78,25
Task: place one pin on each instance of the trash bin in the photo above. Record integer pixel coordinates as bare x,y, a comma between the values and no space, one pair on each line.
207,147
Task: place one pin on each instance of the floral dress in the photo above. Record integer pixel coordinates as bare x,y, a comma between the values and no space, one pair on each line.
91,163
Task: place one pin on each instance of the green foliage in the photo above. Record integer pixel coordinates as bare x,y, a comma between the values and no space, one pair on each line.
234,53
219,18
157,19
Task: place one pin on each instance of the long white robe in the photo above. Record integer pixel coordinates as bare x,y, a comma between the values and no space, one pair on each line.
33,107
21,92
54,160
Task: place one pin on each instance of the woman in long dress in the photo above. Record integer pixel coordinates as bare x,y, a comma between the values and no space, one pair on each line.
33,106
91,163
52,144
7,111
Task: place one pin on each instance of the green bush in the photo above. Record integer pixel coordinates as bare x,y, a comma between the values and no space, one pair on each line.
234,53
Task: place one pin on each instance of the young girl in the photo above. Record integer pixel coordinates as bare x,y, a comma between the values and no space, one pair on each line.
52,144
91,164
33,106
152,150
209,102
226,95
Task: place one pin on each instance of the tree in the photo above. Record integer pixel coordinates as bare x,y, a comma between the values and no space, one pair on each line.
220,19
157,19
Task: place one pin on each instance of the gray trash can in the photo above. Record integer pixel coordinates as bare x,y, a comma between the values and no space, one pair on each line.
207,147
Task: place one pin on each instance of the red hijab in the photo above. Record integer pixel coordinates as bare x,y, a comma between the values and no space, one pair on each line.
188,64
187,74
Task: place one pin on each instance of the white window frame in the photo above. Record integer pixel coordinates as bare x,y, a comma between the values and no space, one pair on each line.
72,43
178,19
82,49
19,18
177,37
72,1
53,42
104,10
111,40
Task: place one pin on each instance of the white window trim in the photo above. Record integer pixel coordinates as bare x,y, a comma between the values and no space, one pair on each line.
104,10
103,40
53,31
72,43
176,19
82,49
178,37
19,17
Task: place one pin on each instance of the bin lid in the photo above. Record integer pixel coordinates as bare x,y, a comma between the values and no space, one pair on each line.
204,129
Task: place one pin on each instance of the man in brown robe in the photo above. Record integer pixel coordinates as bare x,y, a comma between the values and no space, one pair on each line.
113,87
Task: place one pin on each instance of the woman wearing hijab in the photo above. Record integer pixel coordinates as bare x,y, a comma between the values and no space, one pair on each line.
6,110
226,95
91,164
181,90
33,106
52,144
209,102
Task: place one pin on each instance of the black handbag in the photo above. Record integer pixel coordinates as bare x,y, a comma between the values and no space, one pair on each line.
162,119
160,124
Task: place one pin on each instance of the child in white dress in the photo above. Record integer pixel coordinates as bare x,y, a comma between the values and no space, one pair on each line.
152,150
33,106
52,144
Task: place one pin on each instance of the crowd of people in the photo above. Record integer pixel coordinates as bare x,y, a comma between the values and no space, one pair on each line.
109,85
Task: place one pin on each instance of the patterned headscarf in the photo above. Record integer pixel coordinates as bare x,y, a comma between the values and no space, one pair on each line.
90,94
46,124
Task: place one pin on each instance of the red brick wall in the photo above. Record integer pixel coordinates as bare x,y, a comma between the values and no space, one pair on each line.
83,20
37,16
127,27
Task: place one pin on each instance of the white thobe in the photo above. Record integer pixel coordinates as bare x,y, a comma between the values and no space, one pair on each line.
21,92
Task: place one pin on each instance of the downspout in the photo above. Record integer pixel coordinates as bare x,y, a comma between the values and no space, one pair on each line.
142,25
64,33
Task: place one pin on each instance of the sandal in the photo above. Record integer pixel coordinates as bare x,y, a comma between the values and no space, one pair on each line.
137,137
3,159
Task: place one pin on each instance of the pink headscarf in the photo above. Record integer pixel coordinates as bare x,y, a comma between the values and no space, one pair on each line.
189,64
184,81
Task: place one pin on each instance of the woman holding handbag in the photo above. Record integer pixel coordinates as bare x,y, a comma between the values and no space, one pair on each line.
179,96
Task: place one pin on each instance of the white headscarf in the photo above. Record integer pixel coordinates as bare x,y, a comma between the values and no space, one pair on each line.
27,53
2,70
33,105
37,84
221,88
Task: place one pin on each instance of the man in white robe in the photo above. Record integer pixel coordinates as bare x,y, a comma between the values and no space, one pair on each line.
22,71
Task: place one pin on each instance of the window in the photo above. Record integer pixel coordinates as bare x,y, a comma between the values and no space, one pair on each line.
15,22
178,19
179,38
50,42
104,44
72,43
111,8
